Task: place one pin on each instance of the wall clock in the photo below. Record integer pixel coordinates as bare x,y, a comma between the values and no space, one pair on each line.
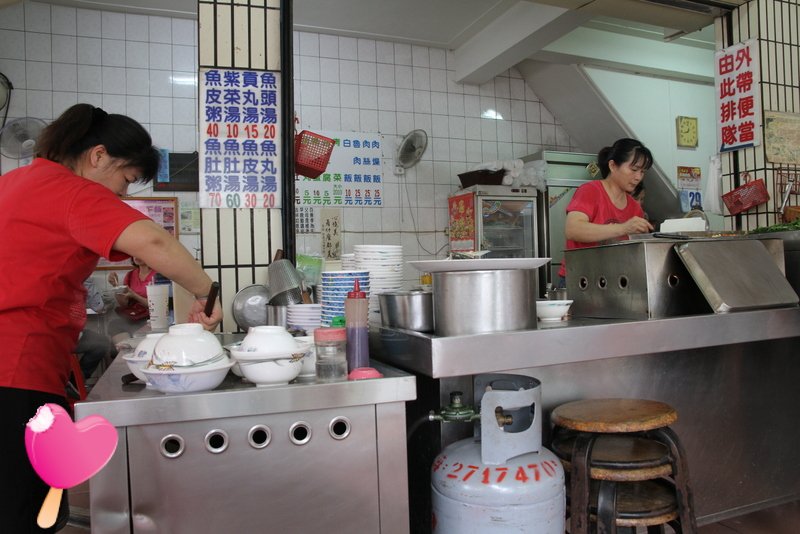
686,131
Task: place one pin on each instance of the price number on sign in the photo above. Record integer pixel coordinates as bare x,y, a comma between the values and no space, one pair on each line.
241,200
250,131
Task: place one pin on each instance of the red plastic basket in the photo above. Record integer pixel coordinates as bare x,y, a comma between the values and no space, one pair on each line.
747,196
311,153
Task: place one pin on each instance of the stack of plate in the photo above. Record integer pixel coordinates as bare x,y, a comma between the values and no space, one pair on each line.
333,290
304,316
385,266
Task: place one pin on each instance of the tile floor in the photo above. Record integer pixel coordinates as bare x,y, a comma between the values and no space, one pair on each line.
783,519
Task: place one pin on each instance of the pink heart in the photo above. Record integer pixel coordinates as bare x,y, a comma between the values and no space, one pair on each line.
63,453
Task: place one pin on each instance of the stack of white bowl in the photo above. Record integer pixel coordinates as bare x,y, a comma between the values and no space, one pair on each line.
348,262
304,317
334,288
385,266
270,356
187,358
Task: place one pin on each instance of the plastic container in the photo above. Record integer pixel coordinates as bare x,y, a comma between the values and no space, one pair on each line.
331,364
356,315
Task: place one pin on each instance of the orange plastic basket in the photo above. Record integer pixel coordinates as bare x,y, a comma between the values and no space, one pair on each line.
311,153
747,196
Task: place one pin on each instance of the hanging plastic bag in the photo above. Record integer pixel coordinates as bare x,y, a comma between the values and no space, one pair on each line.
712,193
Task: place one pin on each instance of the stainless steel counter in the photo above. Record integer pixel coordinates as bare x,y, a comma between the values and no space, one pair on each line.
269,459
731,377
576,340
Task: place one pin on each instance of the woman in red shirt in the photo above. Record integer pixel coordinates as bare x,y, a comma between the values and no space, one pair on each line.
58,216
603,211
135,281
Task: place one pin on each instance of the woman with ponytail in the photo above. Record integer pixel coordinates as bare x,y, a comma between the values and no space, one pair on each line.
58,216
603,211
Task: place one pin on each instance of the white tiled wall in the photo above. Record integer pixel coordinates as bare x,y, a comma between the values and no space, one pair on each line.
146,67
141,66
348,84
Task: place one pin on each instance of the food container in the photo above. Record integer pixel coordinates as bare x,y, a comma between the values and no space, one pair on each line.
412,310
475,302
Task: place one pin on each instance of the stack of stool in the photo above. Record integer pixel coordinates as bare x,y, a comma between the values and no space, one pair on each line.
626,466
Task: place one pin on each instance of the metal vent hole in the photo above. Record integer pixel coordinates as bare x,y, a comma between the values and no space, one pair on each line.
623,282
259,436
602,283
172,446
583,283
673,280
216,441
339,428
300,433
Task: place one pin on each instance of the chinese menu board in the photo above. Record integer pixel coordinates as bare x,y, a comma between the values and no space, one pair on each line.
736,79
353,176
240,138
162,210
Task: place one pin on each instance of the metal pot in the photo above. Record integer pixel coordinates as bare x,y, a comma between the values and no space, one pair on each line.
412,310
474,302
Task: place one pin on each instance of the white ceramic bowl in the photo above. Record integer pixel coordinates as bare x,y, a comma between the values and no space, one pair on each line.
144,350
200,378
136,365
186,344
268,340
296,350
552,310
271,372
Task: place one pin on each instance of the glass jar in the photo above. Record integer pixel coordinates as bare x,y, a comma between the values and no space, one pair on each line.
331,346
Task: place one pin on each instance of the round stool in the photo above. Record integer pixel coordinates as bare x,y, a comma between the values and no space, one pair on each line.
627,467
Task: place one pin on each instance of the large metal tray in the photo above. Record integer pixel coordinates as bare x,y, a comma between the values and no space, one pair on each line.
736,275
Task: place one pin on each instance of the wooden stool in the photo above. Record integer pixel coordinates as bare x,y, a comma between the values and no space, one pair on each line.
635,460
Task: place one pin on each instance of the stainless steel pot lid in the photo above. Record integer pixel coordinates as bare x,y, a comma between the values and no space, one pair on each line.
250,306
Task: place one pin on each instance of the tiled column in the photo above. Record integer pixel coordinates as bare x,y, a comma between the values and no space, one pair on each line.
238,244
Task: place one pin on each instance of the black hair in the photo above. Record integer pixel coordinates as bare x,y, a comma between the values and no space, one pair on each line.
638,190
624,150
84,126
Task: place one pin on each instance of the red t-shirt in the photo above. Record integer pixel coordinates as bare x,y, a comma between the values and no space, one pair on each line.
591,198
136,284
54,226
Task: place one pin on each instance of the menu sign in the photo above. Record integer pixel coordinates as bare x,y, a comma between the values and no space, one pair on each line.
240,139
353,177
736,79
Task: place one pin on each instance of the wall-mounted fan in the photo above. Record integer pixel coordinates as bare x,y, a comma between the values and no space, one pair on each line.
410,150
18,139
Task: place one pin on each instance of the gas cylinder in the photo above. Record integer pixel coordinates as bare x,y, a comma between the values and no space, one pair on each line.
501,480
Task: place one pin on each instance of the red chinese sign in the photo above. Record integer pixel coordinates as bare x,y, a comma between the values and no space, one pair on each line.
738,96
462,222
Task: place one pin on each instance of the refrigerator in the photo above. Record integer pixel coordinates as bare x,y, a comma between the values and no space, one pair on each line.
566,171
497,218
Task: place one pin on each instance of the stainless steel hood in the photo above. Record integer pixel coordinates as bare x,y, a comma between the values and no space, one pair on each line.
684,16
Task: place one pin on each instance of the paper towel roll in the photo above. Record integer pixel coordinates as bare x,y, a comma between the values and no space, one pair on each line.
691,224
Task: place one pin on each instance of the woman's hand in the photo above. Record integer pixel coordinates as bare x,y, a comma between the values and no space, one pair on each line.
637,225
197,314
113,279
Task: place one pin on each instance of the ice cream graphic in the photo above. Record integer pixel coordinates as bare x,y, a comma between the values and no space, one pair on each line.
65,454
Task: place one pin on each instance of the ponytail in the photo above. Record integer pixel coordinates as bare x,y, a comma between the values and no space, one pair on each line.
622,151
84,126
